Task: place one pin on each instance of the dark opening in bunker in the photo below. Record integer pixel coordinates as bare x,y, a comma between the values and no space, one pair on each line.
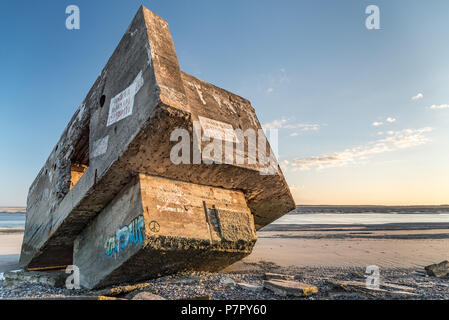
80,158
102,101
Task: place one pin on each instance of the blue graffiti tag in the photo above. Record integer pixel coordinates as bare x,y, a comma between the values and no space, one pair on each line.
132,234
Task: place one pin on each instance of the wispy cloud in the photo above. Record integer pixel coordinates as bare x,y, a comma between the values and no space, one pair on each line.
396,140
418,97
391,120
440,106
275,124
304,126
289,124
275,80
380,123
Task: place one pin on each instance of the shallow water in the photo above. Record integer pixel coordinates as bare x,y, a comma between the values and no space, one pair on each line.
362,218
12,220
17,220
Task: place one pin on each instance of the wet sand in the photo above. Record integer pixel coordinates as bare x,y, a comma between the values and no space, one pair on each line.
403,245
10,245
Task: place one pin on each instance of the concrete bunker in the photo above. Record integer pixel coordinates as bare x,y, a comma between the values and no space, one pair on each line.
117,206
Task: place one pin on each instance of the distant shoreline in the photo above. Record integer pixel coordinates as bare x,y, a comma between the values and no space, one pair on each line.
374,205
317,208
372,209
11,230
12,209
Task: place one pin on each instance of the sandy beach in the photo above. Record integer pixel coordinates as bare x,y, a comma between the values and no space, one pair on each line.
10,245
387,246
318,248
406,245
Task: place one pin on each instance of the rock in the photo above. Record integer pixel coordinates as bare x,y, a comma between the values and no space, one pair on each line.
396,287
187,280
358,275
438,270
360,287
147,296
250,287
353,286
290,288
121,290
55,279
201,298
278,276
227,281
64,298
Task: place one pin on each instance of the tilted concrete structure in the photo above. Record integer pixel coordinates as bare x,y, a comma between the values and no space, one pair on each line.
109,198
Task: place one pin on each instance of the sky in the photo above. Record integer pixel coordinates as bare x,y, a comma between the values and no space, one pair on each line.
363,115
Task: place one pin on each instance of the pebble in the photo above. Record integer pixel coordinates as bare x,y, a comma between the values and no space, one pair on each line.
217,285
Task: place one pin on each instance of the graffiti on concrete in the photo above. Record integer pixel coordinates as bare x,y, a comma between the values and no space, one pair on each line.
125,236
154,226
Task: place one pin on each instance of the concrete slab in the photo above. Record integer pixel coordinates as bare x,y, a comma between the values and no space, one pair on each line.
159,226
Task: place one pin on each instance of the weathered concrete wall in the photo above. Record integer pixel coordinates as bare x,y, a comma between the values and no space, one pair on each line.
53,210
126,121
164,223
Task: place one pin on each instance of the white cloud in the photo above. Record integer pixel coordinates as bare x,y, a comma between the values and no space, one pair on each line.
284,164
275,124
418,96
294,187
380,123
294,134
441,106
304,126
287,124
391,120
274,80
396,140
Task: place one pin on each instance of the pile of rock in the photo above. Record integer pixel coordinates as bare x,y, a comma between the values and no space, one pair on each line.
285,285
438,270
54,279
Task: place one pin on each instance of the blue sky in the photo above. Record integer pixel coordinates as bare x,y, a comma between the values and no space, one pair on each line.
310,69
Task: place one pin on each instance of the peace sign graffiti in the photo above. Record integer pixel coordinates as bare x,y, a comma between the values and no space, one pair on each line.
154,226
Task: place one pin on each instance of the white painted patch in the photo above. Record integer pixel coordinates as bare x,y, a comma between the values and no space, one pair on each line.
222,102
150,58
100,147
170,209
218,130
81,111
46,195
122,104
50,174
200,93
